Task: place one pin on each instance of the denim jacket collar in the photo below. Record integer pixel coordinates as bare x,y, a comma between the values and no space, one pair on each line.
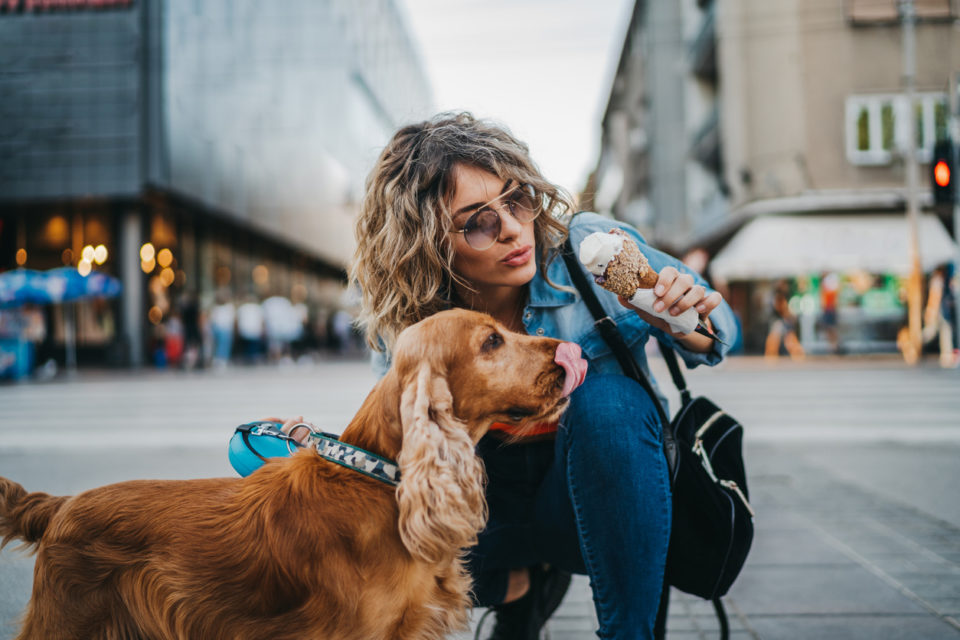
544,295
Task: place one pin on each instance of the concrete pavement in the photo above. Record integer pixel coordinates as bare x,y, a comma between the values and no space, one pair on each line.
853,469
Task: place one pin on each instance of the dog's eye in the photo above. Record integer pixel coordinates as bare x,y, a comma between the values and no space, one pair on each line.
493,341
517,414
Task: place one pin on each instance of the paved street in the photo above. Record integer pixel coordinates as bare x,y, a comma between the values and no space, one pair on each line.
853,466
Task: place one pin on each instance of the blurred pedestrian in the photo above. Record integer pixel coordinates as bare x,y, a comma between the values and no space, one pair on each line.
938,315
948,305
783,326
192,337
173,339
300,340
341,332
158,345
829,291
223,317
320,330
250,329
21,332
279,325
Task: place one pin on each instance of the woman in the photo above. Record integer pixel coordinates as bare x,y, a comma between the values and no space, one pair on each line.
457,214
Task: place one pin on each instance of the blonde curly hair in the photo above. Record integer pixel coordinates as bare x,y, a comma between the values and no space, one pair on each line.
404,256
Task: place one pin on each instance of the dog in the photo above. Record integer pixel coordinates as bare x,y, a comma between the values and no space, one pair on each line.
303,547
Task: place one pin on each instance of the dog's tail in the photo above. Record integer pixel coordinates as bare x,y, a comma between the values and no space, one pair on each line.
24,516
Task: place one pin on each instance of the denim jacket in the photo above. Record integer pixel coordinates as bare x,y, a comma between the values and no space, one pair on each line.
562,314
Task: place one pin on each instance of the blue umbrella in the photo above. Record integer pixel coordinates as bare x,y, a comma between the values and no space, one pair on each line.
64,284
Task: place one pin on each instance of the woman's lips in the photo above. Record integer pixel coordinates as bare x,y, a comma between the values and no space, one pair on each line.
518,257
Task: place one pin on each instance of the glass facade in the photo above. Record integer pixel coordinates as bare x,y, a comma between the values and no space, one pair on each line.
221,170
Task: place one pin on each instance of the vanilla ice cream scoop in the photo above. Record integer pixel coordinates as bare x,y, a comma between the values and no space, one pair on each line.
618,265
598,249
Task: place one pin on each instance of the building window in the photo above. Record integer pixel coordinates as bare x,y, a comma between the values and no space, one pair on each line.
878,126
870,12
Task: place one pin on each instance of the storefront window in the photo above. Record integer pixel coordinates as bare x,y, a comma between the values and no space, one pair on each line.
72,236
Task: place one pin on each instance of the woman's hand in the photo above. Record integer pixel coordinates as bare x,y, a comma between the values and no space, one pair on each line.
301,434
678,292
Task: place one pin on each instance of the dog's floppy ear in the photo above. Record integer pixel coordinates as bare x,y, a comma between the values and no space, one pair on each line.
442,505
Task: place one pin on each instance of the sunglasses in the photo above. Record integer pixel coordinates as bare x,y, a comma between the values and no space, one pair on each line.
482,229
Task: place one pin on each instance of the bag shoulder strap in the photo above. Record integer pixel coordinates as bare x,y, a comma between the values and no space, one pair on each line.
608,329
610,333
670,357
613,338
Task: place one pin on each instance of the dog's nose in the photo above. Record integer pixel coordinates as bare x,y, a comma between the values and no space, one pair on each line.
568,356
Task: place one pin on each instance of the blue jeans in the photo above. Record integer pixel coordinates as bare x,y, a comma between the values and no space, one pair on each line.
595,501
223,343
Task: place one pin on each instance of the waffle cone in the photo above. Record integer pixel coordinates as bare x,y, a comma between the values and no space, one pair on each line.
629,270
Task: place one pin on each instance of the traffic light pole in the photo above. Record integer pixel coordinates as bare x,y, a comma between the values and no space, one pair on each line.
915,281
955,137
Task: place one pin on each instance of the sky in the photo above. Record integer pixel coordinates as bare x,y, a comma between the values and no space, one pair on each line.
543,68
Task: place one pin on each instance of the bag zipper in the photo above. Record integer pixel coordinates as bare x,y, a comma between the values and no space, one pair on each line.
708,466
730,484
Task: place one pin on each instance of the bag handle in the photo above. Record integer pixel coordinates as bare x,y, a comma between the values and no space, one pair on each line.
614,339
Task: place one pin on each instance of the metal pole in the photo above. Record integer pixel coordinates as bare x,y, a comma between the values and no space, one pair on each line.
70,337
915,282
954,131
131,236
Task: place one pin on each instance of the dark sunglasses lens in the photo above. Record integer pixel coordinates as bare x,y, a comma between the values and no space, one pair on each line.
523,204
482,229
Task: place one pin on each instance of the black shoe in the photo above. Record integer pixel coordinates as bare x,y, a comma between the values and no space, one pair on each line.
523,618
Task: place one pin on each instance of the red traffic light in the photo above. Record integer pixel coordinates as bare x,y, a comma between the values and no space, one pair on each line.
941,174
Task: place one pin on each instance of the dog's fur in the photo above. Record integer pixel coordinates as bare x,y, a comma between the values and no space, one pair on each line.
303,547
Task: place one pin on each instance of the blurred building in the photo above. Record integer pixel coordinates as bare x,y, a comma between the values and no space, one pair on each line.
769,136
213,146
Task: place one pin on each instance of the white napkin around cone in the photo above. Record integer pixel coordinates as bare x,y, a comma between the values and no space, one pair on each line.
685,322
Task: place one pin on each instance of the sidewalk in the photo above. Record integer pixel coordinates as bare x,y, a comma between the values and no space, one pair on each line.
853,466
830,560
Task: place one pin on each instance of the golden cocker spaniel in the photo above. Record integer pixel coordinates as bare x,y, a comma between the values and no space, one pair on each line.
303,547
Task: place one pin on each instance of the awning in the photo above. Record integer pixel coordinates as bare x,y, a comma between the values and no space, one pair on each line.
771,247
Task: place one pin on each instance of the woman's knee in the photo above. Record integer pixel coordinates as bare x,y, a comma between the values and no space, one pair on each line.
610,408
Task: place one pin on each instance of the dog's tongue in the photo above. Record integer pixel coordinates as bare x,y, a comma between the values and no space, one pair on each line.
568,357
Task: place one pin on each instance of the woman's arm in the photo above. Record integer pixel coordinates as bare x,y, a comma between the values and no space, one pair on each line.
683,289
677,292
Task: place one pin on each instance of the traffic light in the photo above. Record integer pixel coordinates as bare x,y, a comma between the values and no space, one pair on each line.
942,173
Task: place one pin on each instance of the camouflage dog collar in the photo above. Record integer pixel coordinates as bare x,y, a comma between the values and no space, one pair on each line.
361,461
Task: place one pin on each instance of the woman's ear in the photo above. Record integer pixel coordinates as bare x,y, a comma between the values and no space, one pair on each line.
441,498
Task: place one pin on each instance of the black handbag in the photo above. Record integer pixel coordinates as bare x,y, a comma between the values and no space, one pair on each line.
712,527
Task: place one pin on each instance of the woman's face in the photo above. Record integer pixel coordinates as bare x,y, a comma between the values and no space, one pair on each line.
510,261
